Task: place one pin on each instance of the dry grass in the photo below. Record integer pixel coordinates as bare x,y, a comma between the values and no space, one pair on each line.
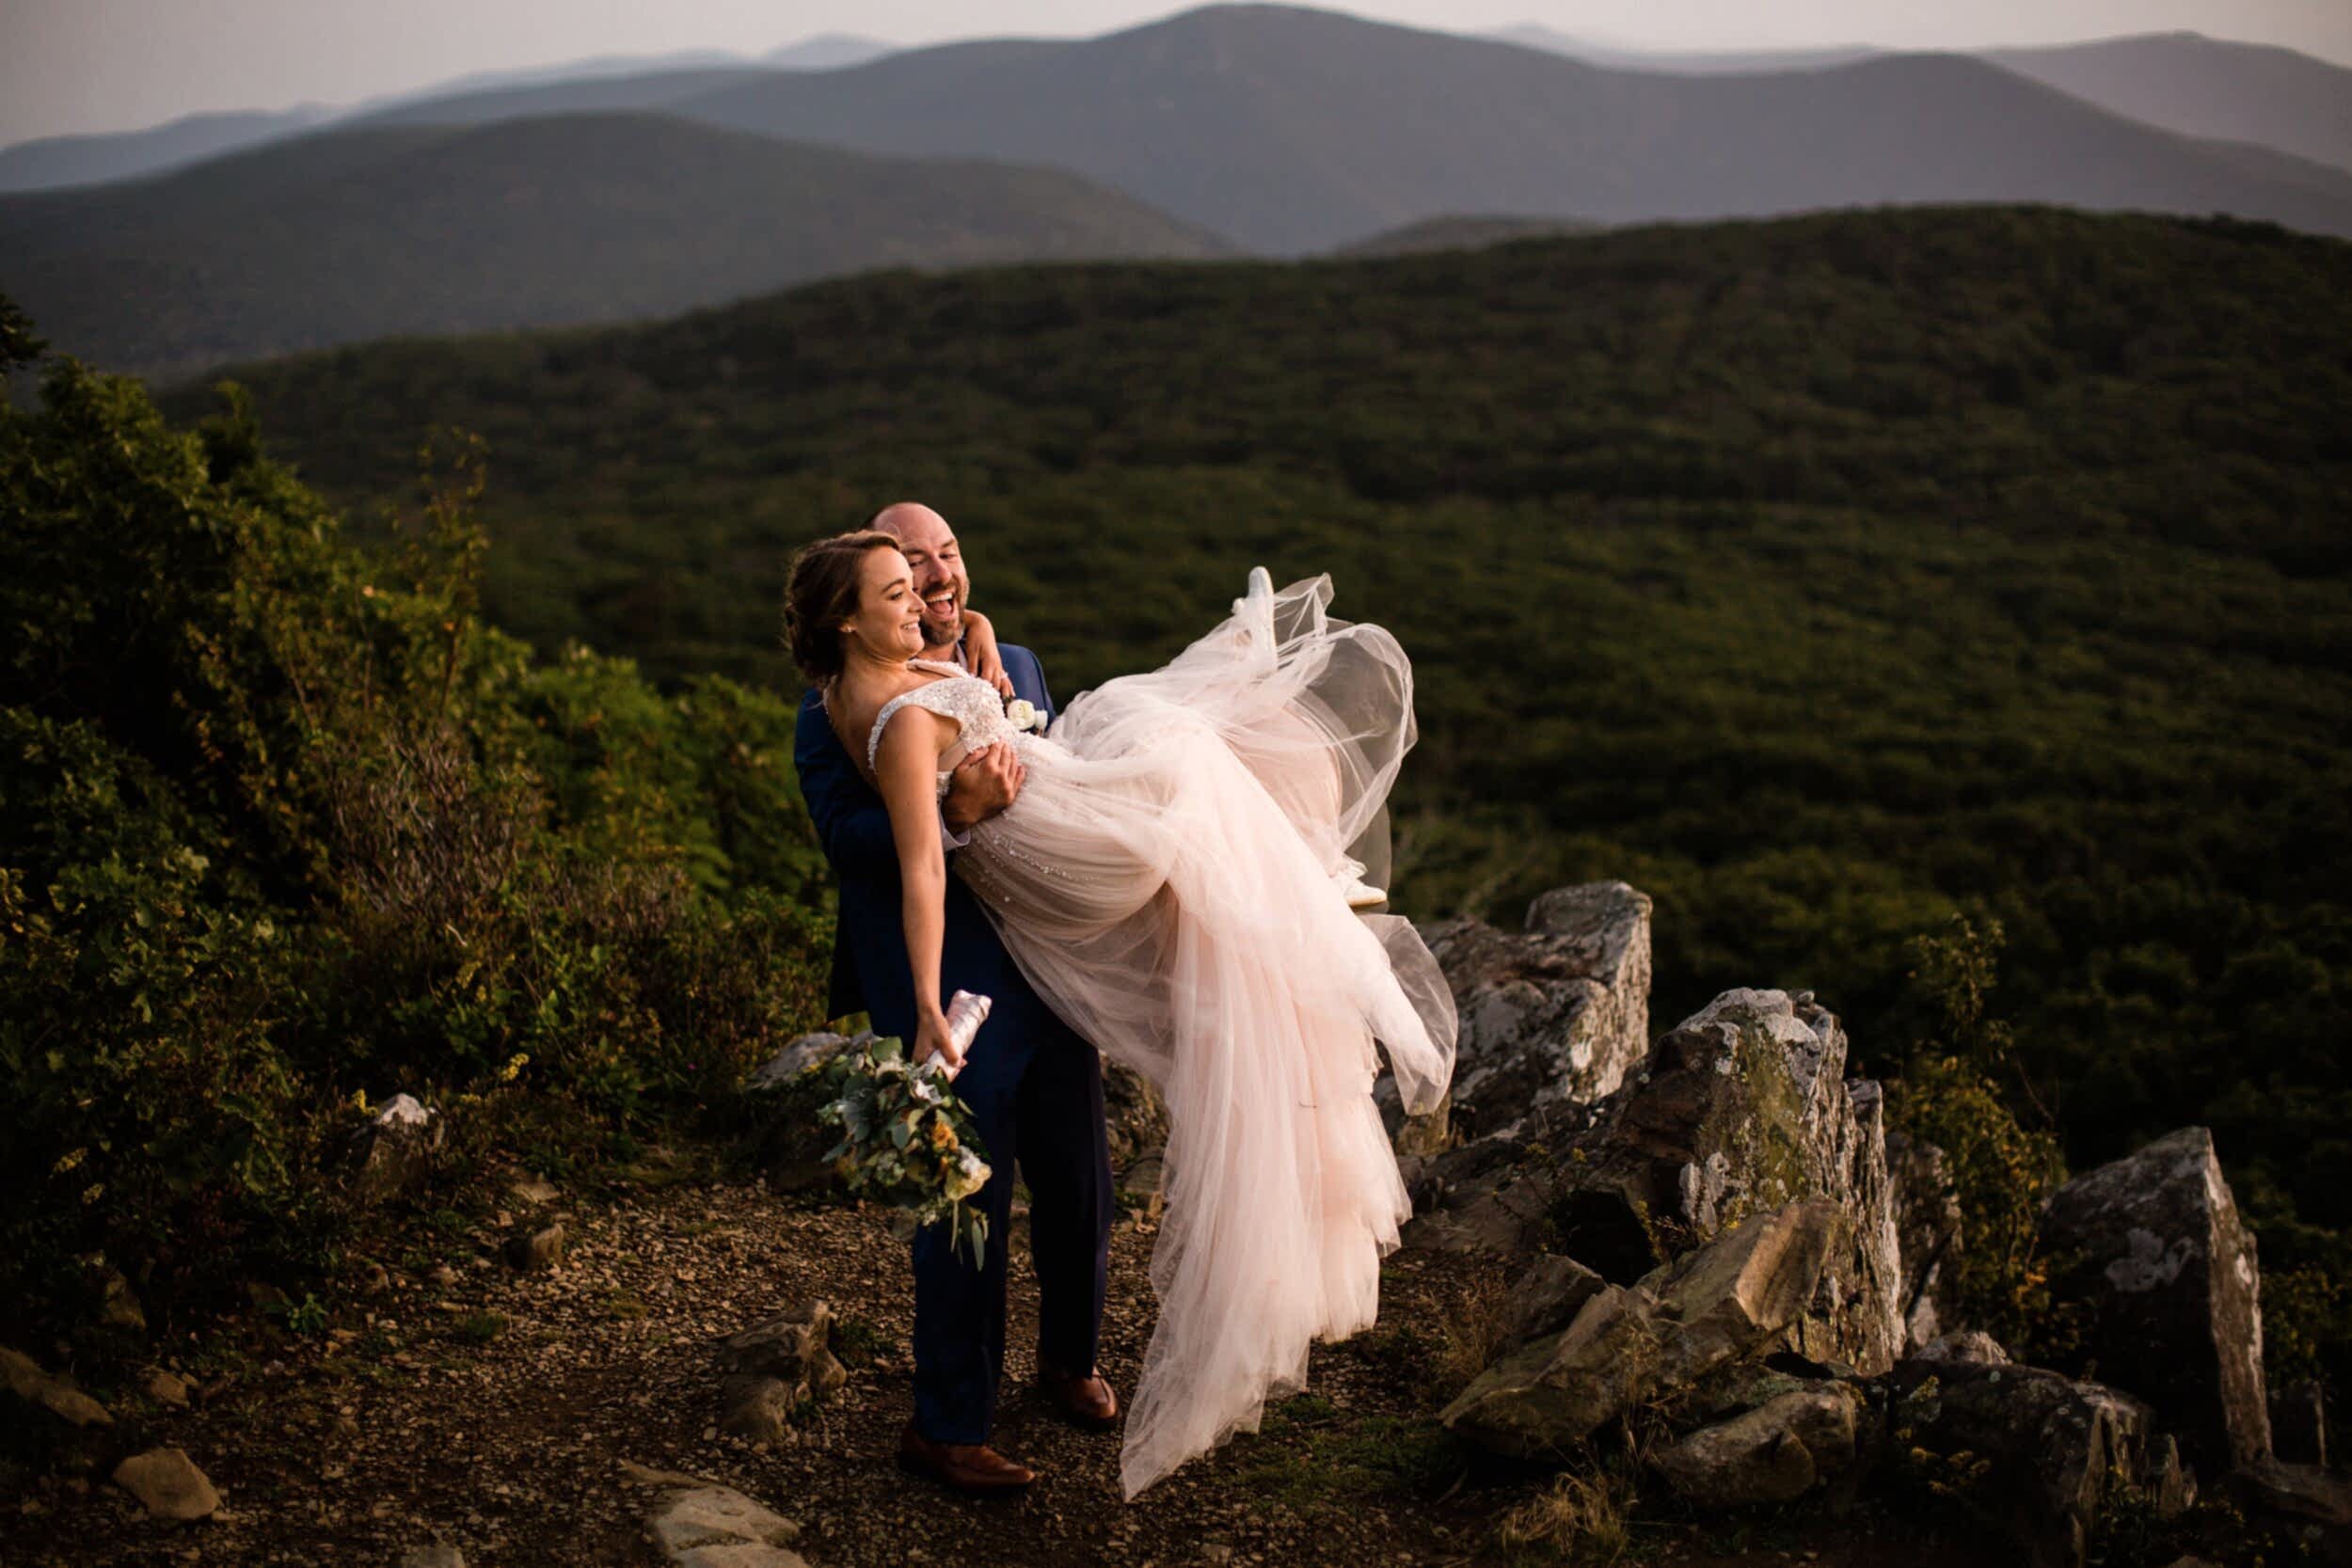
1472,1332
1580,1518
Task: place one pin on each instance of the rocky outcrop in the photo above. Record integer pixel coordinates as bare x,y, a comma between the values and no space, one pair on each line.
2312,1504
1927,1231
1558,1013
2038,1454
395,1150
1723,1301
1547,1297
2299,1423
2155,1254
1742,1108
1775,1453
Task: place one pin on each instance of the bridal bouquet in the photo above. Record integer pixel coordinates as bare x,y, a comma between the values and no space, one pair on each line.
907,1140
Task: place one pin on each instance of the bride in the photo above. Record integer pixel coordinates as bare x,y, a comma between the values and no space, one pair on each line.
1175,879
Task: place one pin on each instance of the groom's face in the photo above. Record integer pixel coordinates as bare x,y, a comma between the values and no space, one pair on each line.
931,549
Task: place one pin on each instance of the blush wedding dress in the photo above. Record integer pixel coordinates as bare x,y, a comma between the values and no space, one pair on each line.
1173,880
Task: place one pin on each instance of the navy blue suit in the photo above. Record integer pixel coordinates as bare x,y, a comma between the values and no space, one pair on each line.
1034,1087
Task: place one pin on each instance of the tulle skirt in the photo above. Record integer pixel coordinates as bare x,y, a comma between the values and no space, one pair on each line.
1167,882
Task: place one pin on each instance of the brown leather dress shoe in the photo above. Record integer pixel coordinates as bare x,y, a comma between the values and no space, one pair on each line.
1085,1401
973,1467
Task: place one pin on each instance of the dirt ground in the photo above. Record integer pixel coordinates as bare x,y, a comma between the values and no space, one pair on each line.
493,1411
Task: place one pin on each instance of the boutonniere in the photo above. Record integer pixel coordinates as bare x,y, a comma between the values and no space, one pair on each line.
1022,714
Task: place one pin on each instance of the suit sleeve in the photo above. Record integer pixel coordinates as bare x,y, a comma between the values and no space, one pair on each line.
1043,697
853,824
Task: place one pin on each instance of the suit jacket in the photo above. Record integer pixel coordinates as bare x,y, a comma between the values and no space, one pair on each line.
870,970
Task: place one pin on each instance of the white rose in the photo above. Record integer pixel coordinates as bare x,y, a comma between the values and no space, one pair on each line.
1022,715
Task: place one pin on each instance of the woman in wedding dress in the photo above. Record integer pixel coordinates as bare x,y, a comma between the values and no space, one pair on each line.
1173,880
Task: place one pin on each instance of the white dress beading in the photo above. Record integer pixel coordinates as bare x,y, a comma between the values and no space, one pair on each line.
1165,880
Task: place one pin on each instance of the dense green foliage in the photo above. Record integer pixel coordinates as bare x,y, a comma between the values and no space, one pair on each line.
284,829
1822,578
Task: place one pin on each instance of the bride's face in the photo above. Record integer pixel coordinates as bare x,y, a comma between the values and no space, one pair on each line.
889,622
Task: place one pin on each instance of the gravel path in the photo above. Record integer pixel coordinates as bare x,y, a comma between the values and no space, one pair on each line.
463,1403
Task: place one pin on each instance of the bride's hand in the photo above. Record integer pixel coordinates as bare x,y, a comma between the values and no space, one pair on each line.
930,1039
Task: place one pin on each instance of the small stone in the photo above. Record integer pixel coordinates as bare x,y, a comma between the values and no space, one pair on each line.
436,1556
534,1190
167,1484
166,1389
537,1251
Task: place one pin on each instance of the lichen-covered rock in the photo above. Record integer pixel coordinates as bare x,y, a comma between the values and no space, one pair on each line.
1559,1013
1773,1453
2166,1273
1972,1345
1927,1230
2054,1453
395,1150
1740,1109
1725,1301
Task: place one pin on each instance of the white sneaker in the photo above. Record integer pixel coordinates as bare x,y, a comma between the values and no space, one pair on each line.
1360,894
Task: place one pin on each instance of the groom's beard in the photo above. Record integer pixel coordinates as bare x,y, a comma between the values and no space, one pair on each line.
947,646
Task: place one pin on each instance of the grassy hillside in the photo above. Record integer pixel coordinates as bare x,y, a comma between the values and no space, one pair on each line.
1822,577
362,233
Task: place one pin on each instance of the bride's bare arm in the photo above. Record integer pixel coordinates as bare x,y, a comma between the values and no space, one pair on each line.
906,767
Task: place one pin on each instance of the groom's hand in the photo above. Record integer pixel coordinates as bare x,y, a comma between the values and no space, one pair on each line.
983,784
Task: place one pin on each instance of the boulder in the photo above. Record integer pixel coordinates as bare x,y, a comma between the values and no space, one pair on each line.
1627,1344
1135,1120
167,1484
1773,1453
2299,1423
395,1150
1558,1013
1742,1108
59,1402
1927,1230
2038,1454
2153,1249
784,1092
759,1407
1547,1297
2312,1504
794,1349
1971,1345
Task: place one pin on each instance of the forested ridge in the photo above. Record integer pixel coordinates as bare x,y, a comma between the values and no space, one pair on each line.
1821,576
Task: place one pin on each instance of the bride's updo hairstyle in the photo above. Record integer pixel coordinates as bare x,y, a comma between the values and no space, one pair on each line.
820,593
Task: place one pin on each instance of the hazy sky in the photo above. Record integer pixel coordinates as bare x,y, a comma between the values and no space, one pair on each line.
111,65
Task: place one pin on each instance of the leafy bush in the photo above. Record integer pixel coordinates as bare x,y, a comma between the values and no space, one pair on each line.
1996,1278
285,829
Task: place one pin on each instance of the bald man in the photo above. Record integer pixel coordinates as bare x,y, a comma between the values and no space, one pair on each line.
1035,1088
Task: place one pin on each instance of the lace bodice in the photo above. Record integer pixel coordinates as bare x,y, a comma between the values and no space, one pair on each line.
968,700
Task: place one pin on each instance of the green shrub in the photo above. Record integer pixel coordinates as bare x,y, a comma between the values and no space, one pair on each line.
284,829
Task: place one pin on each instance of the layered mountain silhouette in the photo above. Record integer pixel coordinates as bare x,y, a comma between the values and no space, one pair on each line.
2203,87
404,230
59,161
1290,130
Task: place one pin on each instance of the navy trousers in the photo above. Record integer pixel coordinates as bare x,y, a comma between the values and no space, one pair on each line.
1037,1102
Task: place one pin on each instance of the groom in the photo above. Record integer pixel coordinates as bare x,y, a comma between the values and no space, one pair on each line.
1035,1088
